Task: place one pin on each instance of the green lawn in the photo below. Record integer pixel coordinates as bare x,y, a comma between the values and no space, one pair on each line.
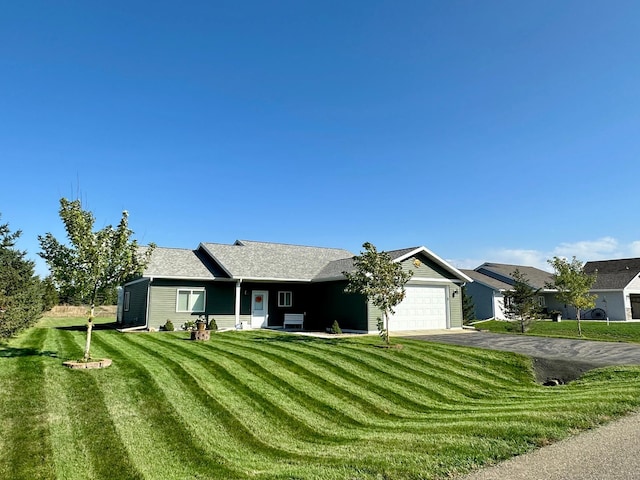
591,330
265,405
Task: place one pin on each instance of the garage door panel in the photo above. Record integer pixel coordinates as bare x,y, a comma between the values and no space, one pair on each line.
424,308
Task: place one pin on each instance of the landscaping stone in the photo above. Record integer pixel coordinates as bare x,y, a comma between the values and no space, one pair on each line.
79,364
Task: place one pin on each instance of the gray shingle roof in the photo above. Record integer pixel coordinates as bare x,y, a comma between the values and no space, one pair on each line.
487,280
273,261
177,263
613,274
501,271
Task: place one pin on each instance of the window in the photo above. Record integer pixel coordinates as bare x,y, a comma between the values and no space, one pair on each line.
285,299
127,300
541,301
191,300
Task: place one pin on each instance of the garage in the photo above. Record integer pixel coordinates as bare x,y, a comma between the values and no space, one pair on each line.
423,308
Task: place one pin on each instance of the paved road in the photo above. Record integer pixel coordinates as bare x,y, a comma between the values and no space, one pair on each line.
554,359
610,452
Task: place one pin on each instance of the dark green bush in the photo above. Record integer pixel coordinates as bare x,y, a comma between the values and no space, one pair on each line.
168,327
335,328
212,325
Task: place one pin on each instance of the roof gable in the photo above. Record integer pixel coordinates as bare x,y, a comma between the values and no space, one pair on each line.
502,272
613,274
179,263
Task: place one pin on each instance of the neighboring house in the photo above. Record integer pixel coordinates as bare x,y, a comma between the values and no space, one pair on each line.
491,280
617,287
254,284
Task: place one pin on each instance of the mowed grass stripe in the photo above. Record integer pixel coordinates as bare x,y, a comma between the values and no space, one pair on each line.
272,403
373,377
357,377
145,400
293,382
449,382
322,456
193,379
361,399
452,413
29,452
70,451
92,421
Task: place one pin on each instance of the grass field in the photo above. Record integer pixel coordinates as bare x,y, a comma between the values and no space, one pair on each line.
591,330
265,405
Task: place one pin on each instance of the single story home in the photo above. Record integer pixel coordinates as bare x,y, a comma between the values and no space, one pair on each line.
491,280
251,284
617,287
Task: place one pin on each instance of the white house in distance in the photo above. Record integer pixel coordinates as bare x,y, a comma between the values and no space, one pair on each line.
491,280
617,287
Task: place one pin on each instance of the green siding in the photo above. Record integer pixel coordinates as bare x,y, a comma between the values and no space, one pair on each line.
220,301
330,302
136,314
455,306
427,268
373,314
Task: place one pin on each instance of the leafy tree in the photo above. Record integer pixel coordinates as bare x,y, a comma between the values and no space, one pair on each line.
521,303
94,261
20,288
50,297
573,285
468,307
381,280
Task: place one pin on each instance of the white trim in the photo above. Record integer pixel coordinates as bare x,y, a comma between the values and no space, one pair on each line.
190,307
126,301
285,304
237,302
431,280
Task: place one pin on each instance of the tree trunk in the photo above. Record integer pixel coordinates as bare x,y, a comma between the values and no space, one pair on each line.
87,345
579,325
386,327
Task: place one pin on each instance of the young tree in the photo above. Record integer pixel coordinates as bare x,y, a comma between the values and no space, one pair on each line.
20,288
468,307
573,285
381,280
521,303
93,262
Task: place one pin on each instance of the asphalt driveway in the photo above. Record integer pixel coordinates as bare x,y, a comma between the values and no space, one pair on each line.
554,358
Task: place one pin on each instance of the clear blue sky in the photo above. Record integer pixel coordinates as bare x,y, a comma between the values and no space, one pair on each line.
484,130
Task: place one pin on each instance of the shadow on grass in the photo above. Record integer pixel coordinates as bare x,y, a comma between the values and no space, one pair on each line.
300,339
12,352
83,327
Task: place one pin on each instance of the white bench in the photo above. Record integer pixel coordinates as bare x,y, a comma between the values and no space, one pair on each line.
293,319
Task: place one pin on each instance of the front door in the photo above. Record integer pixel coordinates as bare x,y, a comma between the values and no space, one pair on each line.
259,308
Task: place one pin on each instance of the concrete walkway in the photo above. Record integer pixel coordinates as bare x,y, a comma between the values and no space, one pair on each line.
605,453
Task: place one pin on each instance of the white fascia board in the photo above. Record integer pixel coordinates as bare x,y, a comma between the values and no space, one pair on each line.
431,280
275,279
443,263
329,279
180,277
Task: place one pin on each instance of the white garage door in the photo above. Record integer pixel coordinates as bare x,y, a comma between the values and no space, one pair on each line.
423,308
